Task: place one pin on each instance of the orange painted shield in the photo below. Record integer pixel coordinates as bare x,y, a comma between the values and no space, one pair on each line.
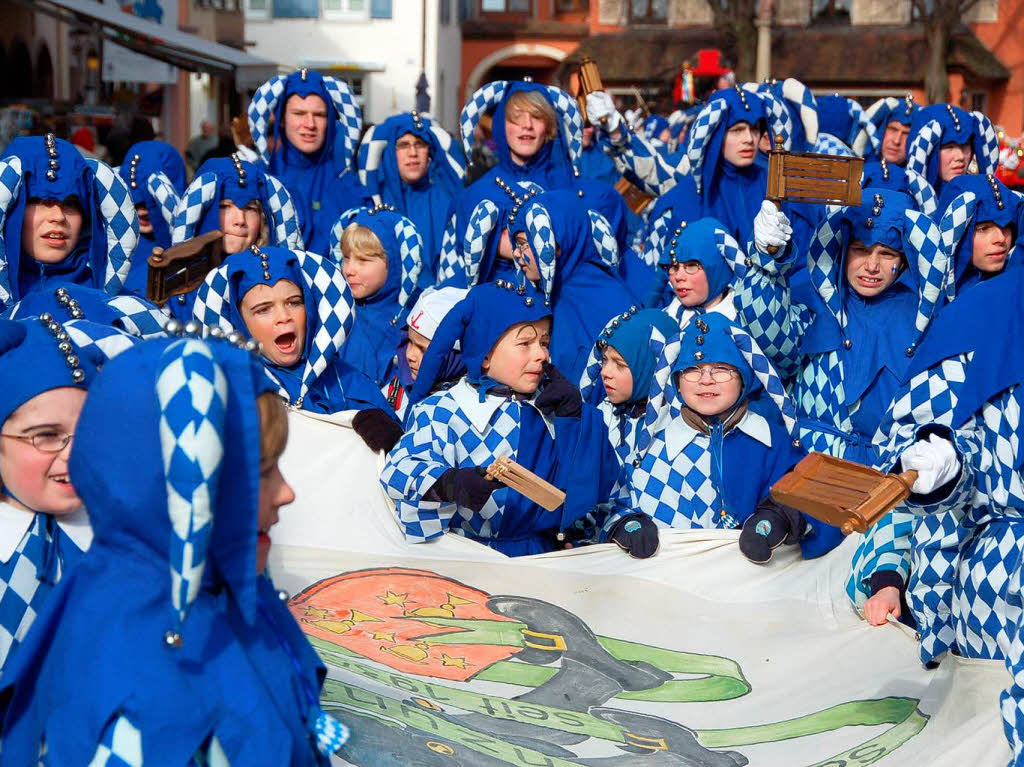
380,614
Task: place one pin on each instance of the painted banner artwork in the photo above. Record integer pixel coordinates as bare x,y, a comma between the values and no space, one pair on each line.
448,653
426,629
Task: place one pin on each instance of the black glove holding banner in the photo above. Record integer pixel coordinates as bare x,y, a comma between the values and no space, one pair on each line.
378,429
770,526
467,487
559,396
637,535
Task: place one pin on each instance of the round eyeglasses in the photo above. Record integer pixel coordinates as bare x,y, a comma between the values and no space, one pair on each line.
719,373
690,267
46,442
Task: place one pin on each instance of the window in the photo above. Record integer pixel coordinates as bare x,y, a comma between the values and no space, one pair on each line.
444,12
648,11
296,9
519,7
345,10
380,9
979,101
571,6
355,79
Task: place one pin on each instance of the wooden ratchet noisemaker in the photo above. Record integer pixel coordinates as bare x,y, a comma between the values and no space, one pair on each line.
525,482
183,267
849,495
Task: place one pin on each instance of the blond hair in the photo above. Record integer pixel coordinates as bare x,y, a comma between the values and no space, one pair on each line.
273,426
538,107
361,241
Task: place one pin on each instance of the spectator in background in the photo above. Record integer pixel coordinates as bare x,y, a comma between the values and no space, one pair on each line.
198,146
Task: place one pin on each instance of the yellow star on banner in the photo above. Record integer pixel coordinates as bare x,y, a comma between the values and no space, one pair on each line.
448,660
315,614
391,598
384,636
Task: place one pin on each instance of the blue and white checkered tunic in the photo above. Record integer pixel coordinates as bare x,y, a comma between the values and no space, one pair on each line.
36,552
452,429
965,584
121,746
818,380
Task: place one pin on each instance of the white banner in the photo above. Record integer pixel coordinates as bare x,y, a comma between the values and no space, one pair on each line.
449,653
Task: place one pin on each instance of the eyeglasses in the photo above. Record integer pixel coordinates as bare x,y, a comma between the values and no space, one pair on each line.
719,373
47,442
410,146
690,267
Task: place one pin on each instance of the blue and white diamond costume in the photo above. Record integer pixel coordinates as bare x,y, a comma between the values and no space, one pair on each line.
577,258
377,330
967,384
155,175
193,657
867,143
476,421
939,124
630,335
844,354
52,169
426,202
241,183
470,244
38,549
319,381
696,472
131,314
323,183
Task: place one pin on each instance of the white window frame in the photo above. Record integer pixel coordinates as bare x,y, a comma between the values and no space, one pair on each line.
257,15
345,13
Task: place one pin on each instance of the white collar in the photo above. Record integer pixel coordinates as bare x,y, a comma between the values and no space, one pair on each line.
678,434
15,522
467,397
683,314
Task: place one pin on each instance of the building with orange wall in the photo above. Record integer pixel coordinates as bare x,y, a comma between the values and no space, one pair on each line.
861,48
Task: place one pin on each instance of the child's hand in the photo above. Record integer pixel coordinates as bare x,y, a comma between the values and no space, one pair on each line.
637,535
467,487
771,228
770,526
884,603
560,397
378,429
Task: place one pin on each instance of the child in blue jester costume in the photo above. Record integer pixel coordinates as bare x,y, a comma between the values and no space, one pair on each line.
883,174
569,252
63,219
956,421
249,206
538,135
980,223
841,122
717,435
695,274
513,403
131,314
424,318
311,147
412,163
620,371
381,256
297,307
944,140
891,118
194,658
45,369
155,175
877,271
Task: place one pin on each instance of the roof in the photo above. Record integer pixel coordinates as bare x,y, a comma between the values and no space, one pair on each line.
162,42
832,54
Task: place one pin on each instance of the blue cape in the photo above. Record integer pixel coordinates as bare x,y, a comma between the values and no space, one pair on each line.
243,671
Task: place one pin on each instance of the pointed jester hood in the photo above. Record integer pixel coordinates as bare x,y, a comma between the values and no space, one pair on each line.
155,174
47,168
939,124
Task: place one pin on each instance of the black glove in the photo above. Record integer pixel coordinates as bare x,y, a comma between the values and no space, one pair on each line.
467,487
770,526
378,429
559,397
636,534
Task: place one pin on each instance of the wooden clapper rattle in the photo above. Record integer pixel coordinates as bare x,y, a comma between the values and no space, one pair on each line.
525,482
182,268
818,179
589,81
842,493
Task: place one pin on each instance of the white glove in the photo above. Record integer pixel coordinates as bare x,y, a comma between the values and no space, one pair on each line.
601,107
771,227
935,462
634,119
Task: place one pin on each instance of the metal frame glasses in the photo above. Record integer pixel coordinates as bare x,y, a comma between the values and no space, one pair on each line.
47,442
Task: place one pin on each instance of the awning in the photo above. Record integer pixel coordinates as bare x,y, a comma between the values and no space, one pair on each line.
161,42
